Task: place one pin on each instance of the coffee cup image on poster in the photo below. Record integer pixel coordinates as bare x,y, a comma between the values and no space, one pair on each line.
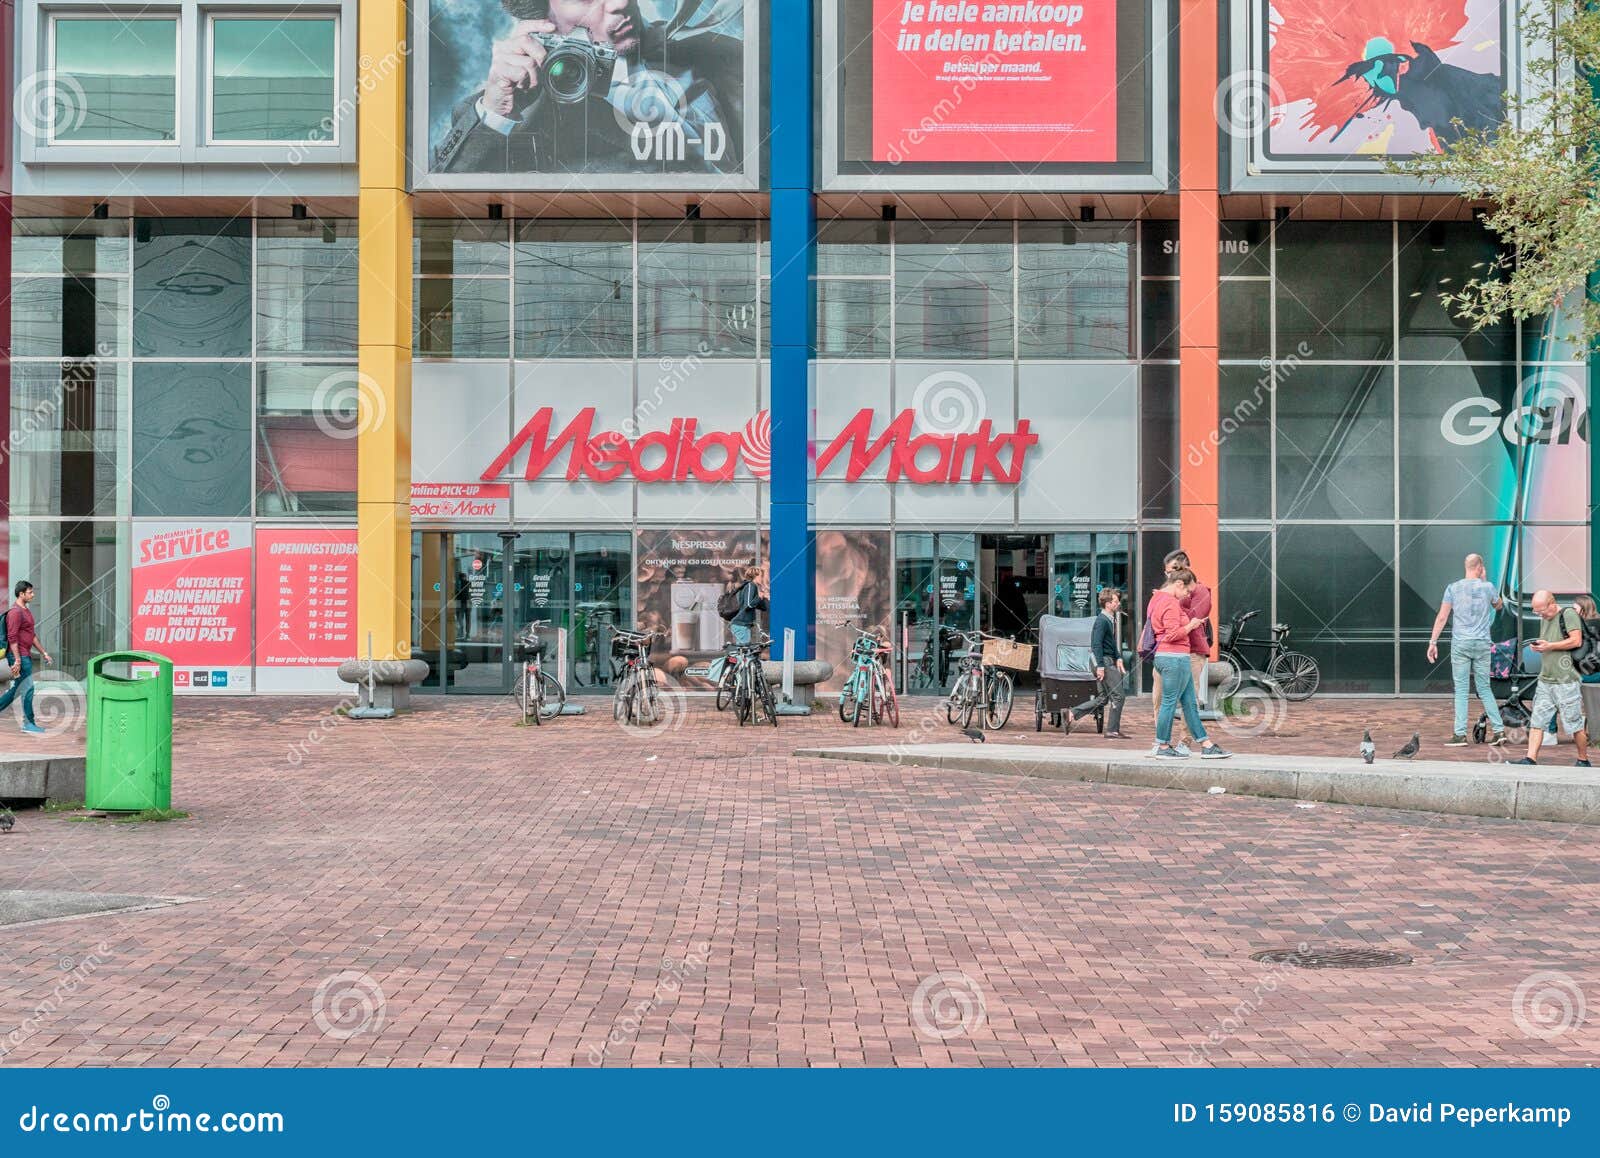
1380,78
635,88
681,575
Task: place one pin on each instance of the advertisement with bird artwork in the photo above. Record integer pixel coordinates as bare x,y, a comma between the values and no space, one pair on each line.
1380,78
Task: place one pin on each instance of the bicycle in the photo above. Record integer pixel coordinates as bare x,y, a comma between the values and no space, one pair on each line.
752,695
537,694
870,682
637,699
979,685
1292,673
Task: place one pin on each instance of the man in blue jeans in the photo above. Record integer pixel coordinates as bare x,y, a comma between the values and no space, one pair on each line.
20,642
1469,606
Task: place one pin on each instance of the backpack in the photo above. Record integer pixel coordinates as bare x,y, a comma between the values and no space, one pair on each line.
1147,641
1587,656
729,604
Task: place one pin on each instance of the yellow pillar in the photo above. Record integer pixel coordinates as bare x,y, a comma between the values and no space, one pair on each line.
383,498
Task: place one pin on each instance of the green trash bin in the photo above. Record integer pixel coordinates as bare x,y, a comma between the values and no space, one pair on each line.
128,765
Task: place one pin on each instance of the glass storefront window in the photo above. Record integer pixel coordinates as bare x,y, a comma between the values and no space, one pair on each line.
272,78
306,294
68,246
1437,259
1246,319
1431,558
191,440
953,290
1243,443
116,78
1455,460
852,248
67,424
1246,580
79,571
462,317
1335,428
852,318
1160,455
1074,288
68,317
1158,319
191,287
1336,309
451,247
308,418
574,290
698,289
1336,591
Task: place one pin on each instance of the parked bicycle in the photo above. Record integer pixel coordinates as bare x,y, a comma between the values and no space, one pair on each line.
980,691
638,698
751,694
870,684
538,694
1292,673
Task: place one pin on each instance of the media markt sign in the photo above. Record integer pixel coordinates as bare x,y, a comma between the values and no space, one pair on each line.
576,451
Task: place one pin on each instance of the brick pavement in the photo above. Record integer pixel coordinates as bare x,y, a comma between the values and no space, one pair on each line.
575,894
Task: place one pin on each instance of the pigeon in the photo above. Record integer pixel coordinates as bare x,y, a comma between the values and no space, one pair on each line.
1369,751
976,736
1413,746
6,820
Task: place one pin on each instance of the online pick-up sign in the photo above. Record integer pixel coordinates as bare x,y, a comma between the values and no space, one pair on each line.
1018,84
190,593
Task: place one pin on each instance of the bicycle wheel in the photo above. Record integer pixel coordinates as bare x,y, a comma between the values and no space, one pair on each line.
552,696
1230,686
743,701
769,703
847,700
997,703
1296,675
891,703
956,707
619,698
520,692
730,676
648,699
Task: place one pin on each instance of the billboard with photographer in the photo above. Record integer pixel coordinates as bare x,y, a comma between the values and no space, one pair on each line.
626,94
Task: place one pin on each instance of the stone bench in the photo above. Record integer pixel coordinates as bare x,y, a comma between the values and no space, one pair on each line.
24,778
390,683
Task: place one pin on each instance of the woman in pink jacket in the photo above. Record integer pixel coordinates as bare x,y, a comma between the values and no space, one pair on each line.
1172,625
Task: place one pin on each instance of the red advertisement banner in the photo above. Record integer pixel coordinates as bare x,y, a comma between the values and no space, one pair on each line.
305,596
1028,83
190,593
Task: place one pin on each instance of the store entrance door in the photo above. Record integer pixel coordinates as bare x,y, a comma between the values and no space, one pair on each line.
459,586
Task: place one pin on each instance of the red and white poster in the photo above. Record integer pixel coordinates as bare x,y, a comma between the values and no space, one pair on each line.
191,601
305,604
1013,84
468,500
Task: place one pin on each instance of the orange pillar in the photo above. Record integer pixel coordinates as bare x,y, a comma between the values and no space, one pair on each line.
1199,234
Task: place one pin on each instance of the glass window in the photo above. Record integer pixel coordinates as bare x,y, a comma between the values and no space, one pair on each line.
1160,454
1336,593
1246,580
79,572
1158,249
1243,249
63,245
191,439
191,287
306,296
1335,441
953,290
1335,290
68,317
461,248
574,290
1435,260
67,421
308,419
1455,459
272,78
1431,558
116,79
462,317
1074,287
1246,309
1158,328
697,289
852,319
1243,443
853,248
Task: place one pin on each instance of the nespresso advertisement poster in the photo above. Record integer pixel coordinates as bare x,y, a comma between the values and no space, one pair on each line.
853,586
1381,78
190,589
681,576
1021,82
928,88
653,92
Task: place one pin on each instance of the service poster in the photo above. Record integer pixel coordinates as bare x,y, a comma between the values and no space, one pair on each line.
1013,84
643,89
1390,79
190,588
682,574
305,598
854,585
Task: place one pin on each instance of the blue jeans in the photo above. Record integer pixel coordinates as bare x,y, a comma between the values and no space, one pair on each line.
741,633
1469,667
24,684
1177,689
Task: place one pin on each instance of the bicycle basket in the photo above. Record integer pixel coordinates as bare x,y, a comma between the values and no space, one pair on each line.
1008,654
1225,635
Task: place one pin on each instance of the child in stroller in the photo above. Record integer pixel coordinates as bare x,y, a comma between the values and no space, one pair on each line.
1513,690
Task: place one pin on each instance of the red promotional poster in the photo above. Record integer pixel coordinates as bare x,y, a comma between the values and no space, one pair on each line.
191,601
1012,84
305,597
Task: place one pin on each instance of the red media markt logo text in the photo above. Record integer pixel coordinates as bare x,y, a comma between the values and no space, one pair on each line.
683,453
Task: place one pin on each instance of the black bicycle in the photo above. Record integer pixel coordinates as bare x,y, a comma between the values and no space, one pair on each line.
638,698
752,694
1293,673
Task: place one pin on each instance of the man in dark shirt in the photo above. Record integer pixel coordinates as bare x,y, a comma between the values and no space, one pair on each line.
20,644
1108,665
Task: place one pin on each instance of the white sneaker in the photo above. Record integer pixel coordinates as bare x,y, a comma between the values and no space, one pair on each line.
1183,749
1156,747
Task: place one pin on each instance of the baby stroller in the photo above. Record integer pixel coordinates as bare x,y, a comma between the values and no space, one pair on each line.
1068,690
1513,687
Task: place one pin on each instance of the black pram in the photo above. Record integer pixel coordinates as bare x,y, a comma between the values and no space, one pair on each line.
1068,689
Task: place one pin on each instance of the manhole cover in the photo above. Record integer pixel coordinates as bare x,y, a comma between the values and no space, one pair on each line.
1332,958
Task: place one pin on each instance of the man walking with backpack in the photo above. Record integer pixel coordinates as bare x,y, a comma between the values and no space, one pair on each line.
20,643
739,605
1559,691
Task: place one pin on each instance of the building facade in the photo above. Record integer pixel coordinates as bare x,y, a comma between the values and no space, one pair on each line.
327,333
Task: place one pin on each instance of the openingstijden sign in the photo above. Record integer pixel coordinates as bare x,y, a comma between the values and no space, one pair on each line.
684,453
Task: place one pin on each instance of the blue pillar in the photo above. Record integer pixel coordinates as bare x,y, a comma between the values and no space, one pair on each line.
792,345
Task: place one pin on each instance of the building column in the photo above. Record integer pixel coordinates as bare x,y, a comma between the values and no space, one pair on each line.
8,30
1199,234
383,497
792,344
